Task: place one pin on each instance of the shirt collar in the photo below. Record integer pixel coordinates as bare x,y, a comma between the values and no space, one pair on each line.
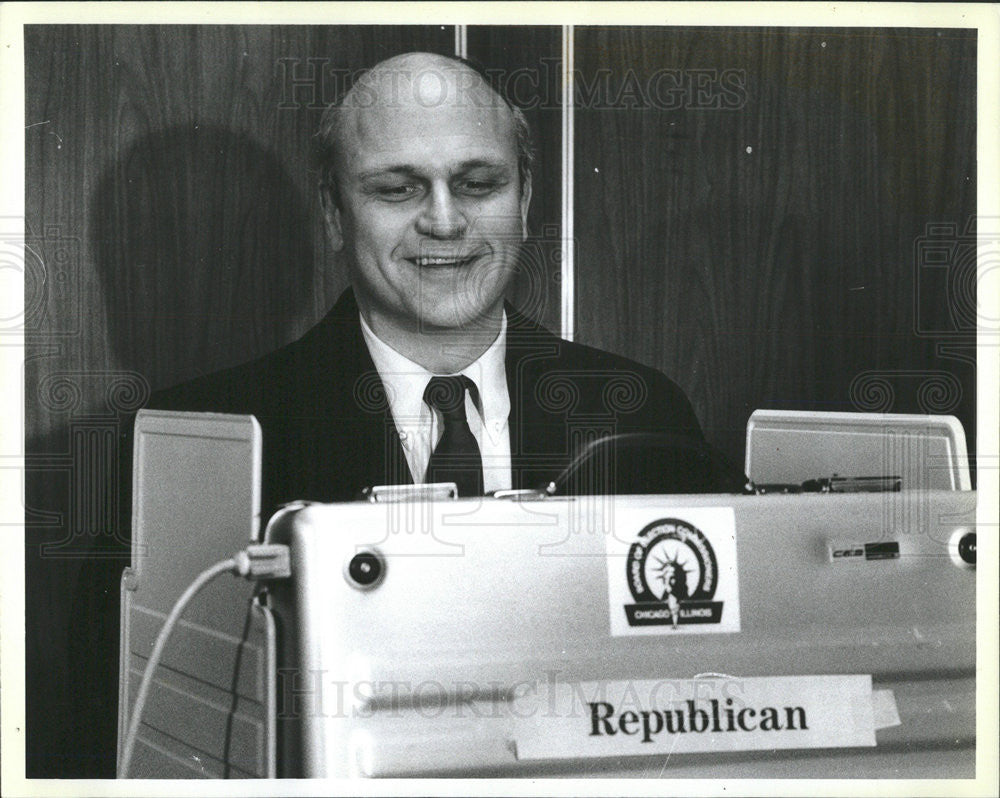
405,380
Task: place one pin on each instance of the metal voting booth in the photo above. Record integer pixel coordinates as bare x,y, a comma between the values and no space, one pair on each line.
822,632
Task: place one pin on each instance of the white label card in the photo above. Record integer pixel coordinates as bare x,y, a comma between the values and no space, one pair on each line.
675,574
677,716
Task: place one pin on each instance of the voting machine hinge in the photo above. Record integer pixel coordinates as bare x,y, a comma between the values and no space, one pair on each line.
433,491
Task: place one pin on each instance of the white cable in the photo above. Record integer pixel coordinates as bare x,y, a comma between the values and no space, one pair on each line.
202,579
567,266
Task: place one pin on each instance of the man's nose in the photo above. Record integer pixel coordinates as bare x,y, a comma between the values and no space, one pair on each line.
441,216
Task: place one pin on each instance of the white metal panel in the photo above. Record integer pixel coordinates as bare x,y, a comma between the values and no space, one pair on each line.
417,674
790,446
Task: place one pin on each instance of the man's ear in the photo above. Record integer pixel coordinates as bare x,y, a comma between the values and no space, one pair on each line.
525,202
331,215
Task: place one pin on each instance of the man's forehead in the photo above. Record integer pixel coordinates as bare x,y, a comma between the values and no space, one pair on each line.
449,154
420,133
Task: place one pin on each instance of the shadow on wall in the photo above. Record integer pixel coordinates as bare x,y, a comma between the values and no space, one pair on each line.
204,249
204,252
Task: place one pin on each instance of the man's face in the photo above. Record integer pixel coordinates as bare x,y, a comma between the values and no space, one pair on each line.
432,213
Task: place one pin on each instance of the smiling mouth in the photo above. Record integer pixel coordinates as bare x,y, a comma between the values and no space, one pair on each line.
441,261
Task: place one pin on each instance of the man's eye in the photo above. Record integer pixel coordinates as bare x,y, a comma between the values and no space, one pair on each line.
396,193
477,188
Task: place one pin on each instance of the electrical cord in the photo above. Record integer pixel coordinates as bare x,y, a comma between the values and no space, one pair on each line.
256,562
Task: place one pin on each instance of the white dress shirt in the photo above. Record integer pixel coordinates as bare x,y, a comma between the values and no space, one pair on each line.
420,427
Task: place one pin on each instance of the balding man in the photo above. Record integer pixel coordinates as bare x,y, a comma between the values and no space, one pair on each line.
421,372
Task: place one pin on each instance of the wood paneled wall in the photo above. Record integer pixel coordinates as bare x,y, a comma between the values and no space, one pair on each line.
779,218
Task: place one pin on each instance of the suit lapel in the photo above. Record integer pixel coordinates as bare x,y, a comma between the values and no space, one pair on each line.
354,397
537,440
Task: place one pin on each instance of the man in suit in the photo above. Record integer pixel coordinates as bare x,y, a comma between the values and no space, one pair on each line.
426,182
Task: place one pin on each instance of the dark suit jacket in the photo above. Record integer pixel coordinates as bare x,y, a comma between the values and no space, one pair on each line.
328,431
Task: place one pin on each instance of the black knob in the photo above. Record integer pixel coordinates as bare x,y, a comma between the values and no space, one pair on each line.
365,569
967,548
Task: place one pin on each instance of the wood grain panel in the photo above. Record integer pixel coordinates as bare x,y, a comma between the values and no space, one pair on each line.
750,207
172,227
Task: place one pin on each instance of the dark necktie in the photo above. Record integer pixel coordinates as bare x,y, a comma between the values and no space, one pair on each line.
456,457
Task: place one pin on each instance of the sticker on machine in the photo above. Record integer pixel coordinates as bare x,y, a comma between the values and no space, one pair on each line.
675,575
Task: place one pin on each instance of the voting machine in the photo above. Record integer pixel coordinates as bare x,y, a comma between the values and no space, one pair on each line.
815,633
